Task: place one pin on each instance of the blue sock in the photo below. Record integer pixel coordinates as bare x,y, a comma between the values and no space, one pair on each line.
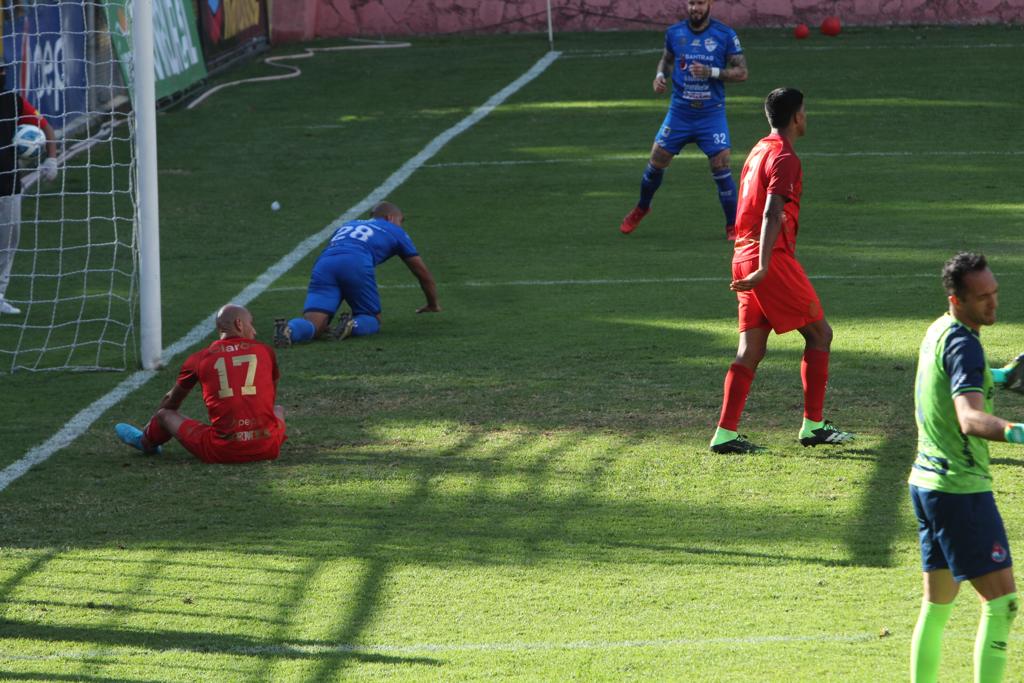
649,184
365,325
726,194
302,330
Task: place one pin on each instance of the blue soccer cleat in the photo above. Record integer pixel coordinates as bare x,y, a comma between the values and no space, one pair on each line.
132,436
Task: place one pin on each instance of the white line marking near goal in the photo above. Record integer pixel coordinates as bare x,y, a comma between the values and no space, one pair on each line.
631,281
77,425
429,648
694,155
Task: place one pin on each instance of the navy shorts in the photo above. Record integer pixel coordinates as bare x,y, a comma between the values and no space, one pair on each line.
962,532
343,277
710,131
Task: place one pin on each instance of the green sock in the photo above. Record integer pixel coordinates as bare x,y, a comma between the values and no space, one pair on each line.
808,427
926,643
993,633
722,435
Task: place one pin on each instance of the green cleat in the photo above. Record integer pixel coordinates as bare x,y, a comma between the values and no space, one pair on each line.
738,445
828,435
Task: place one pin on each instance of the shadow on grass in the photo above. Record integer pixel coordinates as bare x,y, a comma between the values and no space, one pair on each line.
193,641
544,444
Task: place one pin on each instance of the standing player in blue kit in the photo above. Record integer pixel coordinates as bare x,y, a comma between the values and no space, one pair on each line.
700,55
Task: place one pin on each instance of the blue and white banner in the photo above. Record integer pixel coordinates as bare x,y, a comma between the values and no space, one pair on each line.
44,50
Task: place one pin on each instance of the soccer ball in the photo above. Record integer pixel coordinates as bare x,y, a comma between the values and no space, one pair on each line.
29,141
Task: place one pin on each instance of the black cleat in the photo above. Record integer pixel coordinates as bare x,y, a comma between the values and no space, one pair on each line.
282,333
827,435
738,445
343,329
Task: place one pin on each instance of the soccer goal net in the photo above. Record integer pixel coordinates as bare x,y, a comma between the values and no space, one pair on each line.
70,296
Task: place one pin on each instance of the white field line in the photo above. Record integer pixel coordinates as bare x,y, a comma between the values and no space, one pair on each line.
77,425
643,155
429,648
606,54
629,281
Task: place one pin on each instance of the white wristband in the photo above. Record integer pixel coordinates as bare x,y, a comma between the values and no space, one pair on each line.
715,71
660,74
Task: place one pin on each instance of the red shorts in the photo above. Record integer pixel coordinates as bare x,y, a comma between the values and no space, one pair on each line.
203,442
784,300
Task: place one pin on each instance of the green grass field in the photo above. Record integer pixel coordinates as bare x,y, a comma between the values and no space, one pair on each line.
519,487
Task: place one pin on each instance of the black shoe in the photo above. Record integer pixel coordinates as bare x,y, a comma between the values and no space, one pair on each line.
828,435
282,333
343,329
738,445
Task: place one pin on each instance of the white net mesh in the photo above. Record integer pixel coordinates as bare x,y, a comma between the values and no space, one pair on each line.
73,275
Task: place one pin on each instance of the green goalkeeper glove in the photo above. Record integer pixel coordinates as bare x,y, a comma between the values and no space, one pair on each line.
1011,376
1014,432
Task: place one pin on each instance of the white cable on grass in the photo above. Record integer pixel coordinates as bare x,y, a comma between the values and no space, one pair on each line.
293,71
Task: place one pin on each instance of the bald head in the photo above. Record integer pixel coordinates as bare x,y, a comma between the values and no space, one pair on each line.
389,212
235,321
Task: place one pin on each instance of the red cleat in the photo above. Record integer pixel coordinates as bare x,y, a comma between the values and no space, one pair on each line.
730,233
632,219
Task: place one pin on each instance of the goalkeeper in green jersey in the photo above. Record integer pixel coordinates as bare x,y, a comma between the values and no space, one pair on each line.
961,533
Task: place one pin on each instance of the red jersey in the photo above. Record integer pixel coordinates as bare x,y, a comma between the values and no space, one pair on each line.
772,167
29,114
239,378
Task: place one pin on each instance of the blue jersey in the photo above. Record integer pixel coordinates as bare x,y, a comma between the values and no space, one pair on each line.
712,47
375,239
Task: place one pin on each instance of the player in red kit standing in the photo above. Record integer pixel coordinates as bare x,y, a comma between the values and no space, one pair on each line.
771,286
239,379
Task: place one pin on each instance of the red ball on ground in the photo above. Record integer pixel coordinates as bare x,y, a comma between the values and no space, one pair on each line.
831,26
801,31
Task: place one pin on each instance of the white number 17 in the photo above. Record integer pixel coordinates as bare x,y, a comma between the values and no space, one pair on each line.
249,388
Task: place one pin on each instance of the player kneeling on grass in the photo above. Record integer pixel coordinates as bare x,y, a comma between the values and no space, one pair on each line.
345,271
961,533
239,379
771,287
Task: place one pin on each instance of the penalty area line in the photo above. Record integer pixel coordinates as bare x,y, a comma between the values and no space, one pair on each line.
84,419
628,281
615,158
286,649
634,52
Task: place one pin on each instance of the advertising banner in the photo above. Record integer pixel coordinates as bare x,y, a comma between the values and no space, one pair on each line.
44,50
227,25
177,54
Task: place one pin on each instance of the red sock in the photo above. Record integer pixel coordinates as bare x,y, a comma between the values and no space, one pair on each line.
156,434
737,388
814,373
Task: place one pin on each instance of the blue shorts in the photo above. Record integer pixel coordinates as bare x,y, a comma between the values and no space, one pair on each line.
342,277
710,131
962,532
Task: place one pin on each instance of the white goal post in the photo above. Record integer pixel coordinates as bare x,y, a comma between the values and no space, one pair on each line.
151,347
83,291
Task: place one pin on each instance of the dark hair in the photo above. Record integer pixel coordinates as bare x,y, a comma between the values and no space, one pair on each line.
958,267
781,105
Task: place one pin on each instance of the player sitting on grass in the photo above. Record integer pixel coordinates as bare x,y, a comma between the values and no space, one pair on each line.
345,271
771,286
960,531
239,379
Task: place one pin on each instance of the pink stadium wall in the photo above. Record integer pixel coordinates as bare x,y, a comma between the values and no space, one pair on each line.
307,19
